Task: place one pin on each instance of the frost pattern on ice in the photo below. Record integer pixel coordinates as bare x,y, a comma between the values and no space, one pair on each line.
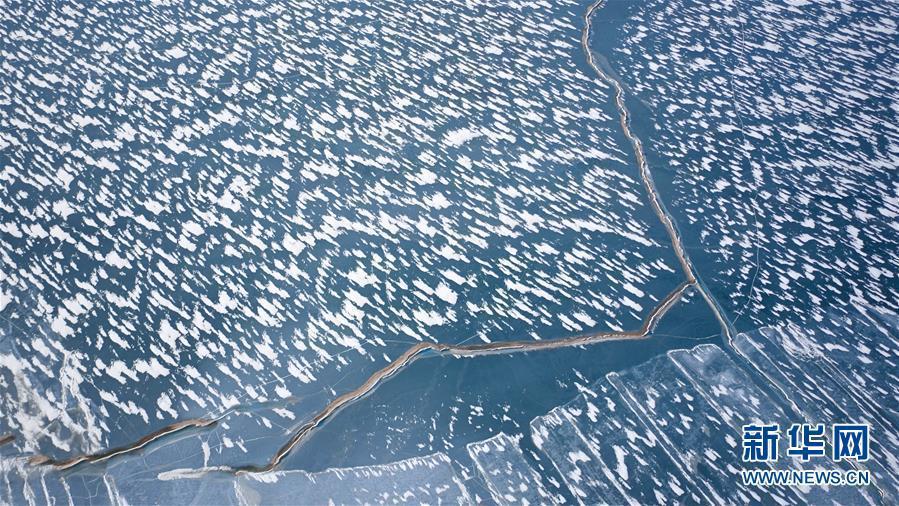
779,122
510,478
225,204
666,431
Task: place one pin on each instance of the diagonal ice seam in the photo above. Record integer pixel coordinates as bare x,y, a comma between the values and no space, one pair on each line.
667,430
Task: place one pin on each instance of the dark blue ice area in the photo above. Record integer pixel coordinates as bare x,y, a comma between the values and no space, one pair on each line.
241,210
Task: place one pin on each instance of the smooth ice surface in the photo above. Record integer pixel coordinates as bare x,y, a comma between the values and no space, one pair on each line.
574,458
815,373
703,445
422,480
502,464
628,454
736,395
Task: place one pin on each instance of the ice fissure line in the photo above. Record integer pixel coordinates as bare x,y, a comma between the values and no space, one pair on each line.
409,356
472,350
646,175
140,443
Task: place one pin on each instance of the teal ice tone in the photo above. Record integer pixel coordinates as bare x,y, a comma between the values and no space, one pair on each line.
466,252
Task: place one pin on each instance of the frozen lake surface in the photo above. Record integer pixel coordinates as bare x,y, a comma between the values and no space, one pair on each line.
238,212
